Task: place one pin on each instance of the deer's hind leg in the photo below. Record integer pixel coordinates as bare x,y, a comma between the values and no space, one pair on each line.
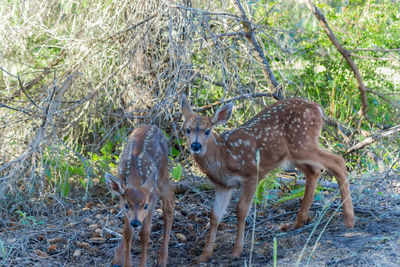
312,174
168,205
317,159
335,166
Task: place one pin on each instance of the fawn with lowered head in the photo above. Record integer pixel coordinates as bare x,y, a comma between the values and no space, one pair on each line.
143,177
286,131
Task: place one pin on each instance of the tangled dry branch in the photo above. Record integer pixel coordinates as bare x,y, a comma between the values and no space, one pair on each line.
116,66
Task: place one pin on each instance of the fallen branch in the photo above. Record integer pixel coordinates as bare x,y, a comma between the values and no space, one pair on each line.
374,50
373,138
111,232
377,58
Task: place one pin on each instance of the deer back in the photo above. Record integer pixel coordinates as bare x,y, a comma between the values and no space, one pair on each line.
281,132
145,151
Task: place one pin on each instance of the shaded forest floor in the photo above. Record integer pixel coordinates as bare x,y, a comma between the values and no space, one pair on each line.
74,234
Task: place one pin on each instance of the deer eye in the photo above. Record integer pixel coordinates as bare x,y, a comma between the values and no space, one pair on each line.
188,131
207,131
126,206
146,206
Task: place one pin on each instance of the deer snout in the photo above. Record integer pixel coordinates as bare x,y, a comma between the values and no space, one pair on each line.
195,147
135,223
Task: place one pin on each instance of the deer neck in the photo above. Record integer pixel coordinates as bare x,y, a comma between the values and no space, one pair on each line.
212,161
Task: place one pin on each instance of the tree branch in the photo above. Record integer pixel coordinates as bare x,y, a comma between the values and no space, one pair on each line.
373,138
276,88
374,50
377,58
344,52
232,100
15,109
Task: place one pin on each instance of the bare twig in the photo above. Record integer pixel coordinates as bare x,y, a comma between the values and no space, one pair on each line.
377,58
112,232
374,50
233,99
16,109
373,138
275,87
25,93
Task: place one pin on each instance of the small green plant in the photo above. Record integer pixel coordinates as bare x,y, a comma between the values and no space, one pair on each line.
105,159
174,154
3,250
265,186
177,171
270,183
27,220
275,251
61,168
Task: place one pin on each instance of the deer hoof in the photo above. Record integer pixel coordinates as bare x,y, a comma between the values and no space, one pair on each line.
349,224
288,226
204,257
237,252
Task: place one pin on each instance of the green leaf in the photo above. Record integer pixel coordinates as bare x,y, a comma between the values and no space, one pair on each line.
175,152
95,157
166,135
83,182
107,148
177,172
179,141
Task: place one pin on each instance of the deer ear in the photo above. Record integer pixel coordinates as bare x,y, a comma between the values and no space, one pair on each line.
114,184
151,181
222,115
185,107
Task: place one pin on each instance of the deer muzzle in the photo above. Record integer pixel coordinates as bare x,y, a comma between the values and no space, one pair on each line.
135,223
195,147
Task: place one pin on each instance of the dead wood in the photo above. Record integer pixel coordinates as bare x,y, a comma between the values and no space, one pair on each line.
373,138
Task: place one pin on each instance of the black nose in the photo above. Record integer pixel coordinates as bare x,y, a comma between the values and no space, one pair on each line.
195,147
135,223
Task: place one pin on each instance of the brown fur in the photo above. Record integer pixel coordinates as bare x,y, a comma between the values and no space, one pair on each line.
143,177
286,131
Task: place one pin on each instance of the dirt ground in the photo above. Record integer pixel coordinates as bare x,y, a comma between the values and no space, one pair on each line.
77,233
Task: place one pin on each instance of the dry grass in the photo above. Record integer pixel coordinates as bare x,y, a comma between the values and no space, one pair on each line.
74,72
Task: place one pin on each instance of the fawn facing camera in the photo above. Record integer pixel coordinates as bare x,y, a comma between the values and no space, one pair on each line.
286,131
143,177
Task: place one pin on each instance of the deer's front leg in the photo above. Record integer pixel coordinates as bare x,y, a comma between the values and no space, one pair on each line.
242,210
145,237
222,198
124,247
119,254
